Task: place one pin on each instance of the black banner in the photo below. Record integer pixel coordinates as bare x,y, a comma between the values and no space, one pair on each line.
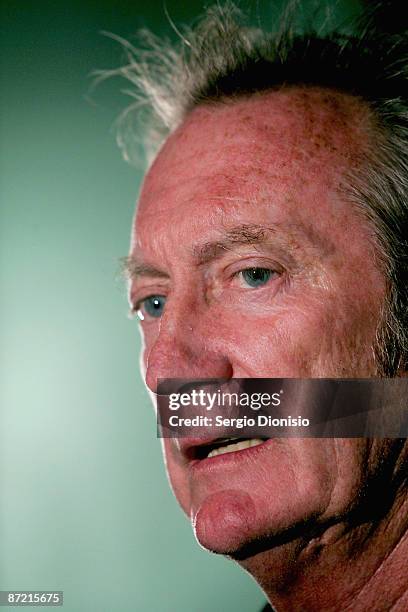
283,407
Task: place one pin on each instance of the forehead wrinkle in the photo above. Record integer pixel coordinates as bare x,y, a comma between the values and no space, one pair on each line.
290,237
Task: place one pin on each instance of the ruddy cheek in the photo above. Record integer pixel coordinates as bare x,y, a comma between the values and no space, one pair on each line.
223,521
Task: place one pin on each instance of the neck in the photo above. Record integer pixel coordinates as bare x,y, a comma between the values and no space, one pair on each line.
351,565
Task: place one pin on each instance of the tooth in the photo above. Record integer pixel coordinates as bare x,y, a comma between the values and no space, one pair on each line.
230,448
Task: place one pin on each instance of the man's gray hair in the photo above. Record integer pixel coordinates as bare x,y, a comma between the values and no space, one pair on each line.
222,58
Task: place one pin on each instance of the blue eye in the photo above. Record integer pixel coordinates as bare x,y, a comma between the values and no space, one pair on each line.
256,277
153,306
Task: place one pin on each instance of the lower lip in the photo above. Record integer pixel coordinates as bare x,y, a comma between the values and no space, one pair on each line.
231,459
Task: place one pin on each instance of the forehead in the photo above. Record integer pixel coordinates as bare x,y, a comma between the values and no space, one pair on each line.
288,147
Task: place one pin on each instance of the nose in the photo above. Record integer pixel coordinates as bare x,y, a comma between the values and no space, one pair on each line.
187,346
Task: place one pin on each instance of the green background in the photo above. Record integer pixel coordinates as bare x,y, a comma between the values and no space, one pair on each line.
85,504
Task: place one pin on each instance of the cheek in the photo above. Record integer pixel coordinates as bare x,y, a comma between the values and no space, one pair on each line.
285,343
352,467
306,335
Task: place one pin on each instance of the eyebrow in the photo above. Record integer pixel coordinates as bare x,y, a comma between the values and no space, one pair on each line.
132,267
285,238
241,235
237,236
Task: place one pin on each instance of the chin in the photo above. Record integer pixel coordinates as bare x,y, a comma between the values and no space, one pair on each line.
224,522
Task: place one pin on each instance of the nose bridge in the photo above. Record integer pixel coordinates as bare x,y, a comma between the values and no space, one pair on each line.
183,347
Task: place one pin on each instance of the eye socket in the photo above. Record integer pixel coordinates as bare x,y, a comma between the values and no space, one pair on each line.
257,277
151,306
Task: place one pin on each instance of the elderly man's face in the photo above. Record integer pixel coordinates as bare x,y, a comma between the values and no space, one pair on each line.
262,269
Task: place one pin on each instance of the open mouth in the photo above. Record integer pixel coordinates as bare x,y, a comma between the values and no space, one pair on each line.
223,446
